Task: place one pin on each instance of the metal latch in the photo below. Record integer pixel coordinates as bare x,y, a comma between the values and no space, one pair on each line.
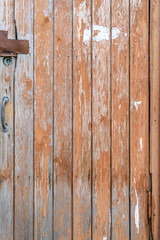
4,126
12,47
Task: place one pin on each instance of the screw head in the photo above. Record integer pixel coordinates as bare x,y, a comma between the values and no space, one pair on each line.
7,61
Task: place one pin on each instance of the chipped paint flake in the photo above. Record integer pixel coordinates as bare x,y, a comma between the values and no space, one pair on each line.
83,16
115,32
86,35
137,2
100,33
141,144
137,213
135,104
104,238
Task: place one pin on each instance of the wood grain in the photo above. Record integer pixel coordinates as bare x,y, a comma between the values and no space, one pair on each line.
43,140
101,120
82,120
155,114
120,119
82,140
24,125
6,139
139,118
63,120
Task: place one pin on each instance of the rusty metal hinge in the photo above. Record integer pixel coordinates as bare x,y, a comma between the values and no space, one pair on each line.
12,47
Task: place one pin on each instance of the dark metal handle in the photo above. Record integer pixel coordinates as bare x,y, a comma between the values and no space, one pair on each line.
5,100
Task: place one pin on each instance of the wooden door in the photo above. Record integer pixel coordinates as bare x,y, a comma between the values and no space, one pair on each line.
80,159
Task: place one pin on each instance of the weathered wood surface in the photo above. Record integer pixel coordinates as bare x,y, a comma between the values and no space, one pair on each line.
139,118
81,138
43,118
63,120
155,114
24,125
82,120
6,139
120,119
101,224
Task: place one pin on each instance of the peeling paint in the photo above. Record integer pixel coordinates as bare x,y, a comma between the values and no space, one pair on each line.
141,144
104,238
83,16
137,2
135,104
103,33
100,33
137,212
115,32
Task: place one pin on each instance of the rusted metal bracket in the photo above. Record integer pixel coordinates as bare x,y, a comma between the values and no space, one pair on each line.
12,47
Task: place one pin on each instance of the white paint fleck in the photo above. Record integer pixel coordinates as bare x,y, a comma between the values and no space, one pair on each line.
100,33
135,104
103,33
46,13
136,2
104,238
137,212
86,35
115,32
141,144
83,16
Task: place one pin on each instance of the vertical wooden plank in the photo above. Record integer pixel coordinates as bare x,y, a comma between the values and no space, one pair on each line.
24,125
101,119
120,119
154,113
43,143
139,118
63,119
82,120
6,139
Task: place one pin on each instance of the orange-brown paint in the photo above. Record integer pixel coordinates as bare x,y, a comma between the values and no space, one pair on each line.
43,142
139,119
89,93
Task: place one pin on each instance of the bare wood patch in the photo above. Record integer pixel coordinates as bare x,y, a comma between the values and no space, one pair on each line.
82,121
24,125
120,120
101,120
43,141
155,114
6,139
139,138
63,120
